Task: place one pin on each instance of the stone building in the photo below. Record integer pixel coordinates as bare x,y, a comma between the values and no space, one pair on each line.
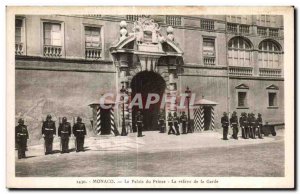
64,63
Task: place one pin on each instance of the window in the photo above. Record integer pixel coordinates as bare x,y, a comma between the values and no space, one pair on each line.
19,30
244,29
208,47
173,20
232,27
93,45
242,99
262,31
207,24
239,52
269,54
19,36
237,19
92,37
52,39
52,34
272,99
266,20
209,51
273,32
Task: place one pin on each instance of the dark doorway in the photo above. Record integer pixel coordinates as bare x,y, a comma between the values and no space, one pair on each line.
207,118
105,122
143,83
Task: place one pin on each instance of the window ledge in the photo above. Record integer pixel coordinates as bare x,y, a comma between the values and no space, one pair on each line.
242,107
272,107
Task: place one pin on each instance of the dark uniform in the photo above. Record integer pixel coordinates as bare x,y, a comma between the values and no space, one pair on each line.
243,125
161,123
79,132
170,124
48,132
249,129
176,123
21,138
252,126
139,124
225,124
259,126
183,120
64,132
234,124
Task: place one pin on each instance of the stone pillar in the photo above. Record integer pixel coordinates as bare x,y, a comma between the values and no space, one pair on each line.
255,63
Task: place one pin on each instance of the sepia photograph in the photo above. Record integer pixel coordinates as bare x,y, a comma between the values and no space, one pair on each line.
156,99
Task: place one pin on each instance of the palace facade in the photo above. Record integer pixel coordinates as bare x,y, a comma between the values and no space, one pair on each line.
64,63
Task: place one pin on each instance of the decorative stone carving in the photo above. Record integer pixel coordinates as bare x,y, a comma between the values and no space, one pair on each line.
147,31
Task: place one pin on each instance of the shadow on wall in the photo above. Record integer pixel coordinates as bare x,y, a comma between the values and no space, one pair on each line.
35,114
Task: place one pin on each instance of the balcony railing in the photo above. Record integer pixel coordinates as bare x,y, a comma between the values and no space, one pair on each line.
19,49
241,71
52,51
267,72
208,60
93,53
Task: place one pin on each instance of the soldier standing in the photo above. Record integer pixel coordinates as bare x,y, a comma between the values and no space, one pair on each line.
183,120
21,138
139,124
79,132
64,132
259,126
48,132
243,124
249,127
170,124
253,125
225,124
161,122
234,124
176,123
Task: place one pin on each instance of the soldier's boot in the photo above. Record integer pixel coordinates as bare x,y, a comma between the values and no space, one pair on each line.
177,131
19,154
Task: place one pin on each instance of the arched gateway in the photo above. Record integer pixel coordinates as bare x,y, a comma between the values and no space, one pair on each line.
146,62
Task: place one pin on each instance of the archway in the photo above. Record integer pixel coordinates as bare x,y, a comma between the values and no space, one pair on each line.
143,83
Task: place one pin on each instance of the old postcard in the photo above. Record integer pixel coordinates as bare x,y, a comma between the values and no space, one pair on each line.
150,97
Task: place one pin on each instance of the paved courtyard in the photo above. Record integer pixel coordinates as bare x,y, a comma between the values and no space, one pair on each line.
155,154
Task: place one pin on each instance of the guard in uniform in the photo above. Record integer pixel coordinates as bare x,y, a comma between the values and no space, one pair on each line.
253,125
48,132
64,132
259,126
234,124
79,132
183,120
249,126
243,125
161,122
170,124
139,124
225,124
176,123
21,138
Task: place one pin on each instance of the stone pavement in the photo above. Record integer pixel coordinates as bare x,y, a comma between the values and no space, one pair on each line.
153,141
